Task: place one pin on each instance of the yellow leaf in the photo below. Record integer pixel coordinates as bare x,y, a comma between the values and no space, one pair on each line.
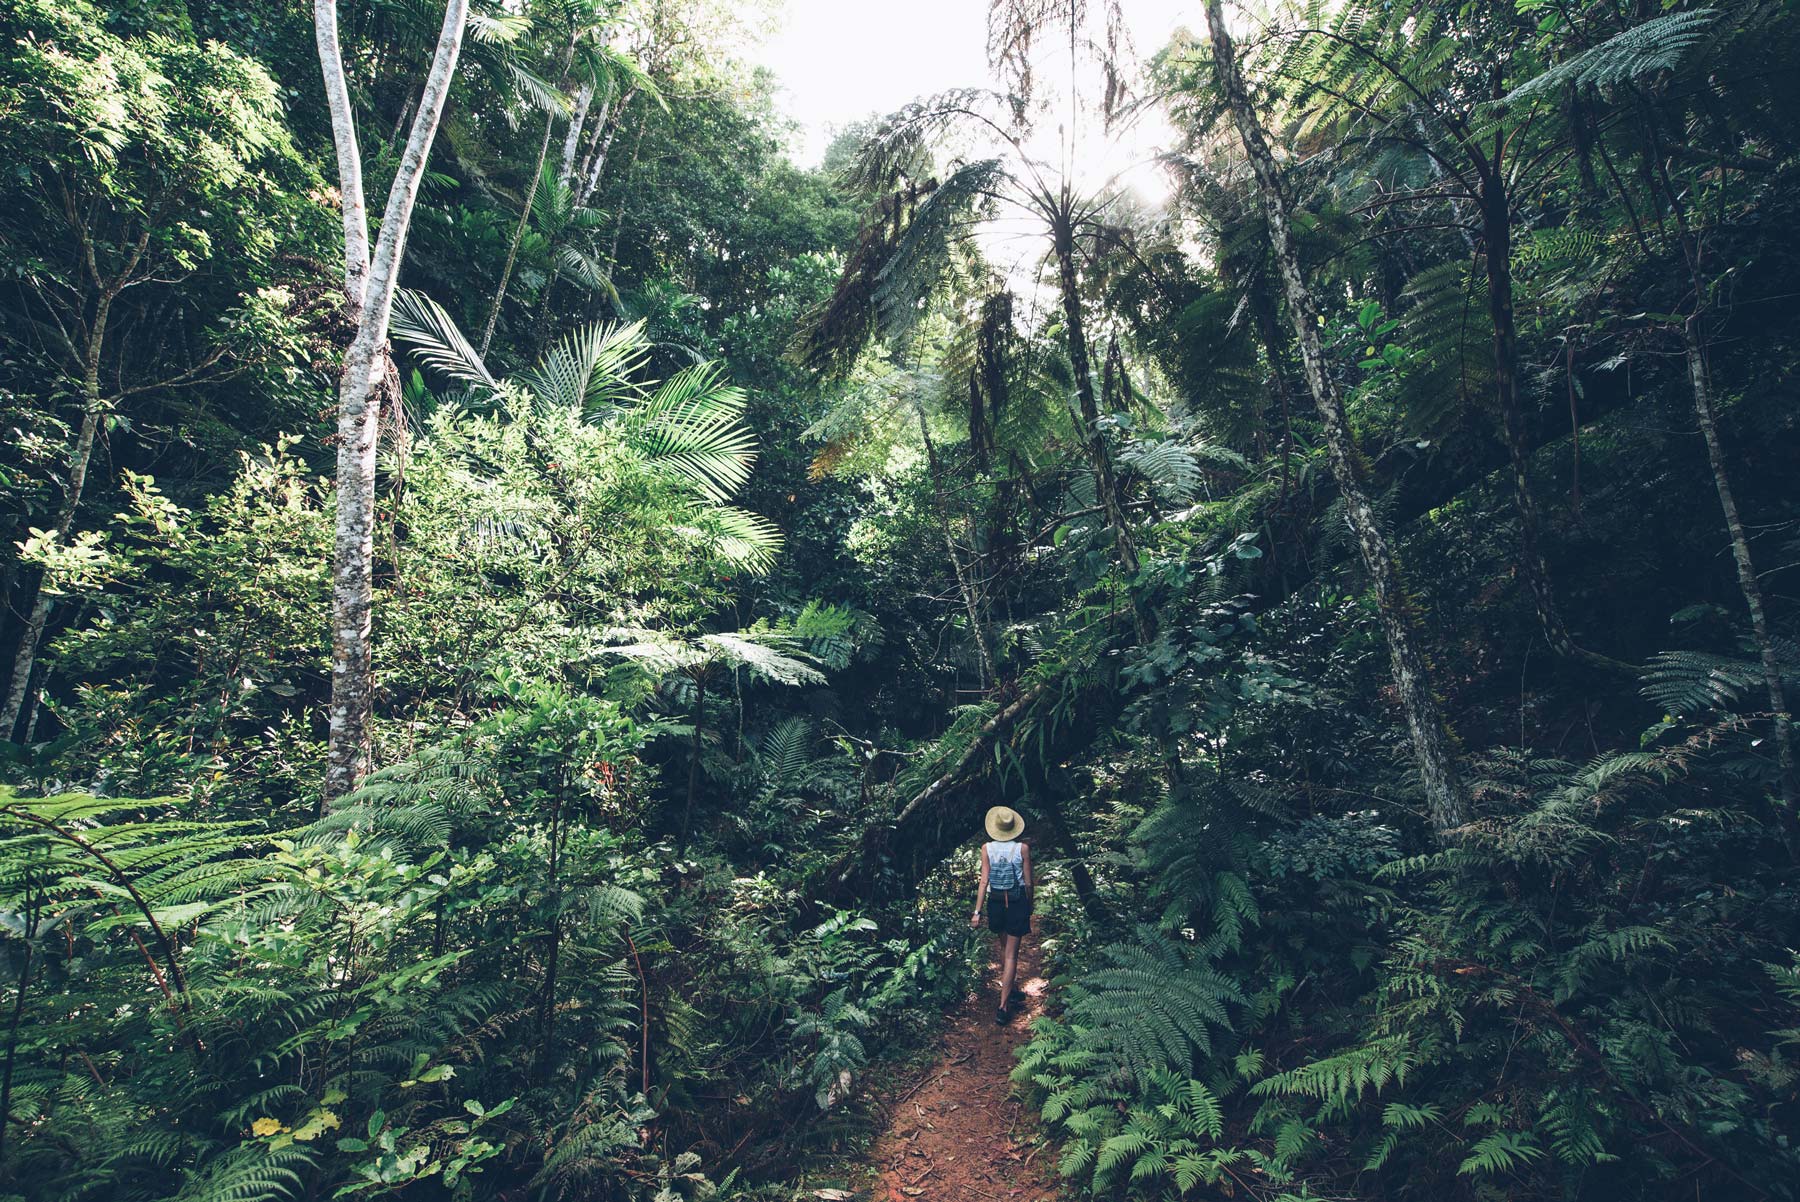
317,1124
265,1126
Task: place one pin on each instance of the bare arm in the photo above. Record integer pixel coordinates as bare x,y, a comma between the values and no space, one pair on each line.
980,891
1025,856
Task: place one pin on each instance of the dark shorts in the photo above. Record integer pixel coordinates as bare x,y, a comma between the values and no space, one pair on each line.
1009,917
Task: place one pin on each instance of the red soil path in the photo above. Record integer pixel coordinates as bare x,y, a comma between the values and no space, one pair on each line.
959,1135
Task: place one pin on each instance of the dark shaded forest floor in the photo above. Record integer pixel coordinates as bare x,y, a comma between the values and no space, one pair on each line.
958,1134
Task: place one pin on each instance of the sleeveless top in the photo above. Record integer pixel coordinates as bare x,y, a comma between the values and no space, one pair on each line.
1006,865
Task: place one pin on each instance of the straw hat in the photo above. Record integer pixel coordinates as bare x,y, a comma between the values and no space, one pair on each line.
1004,823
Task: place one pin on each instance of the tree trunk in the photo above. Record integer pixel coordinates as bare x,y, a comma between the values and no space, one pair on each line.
1700,376
1431,737
349,155
964,584
367,363
512,251
584,98
605,130
1693,249
1099,458
1496,230
80,456
693,787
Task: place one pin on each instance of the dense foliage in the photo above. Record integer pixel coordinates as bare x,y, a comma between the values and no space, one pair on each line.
742,531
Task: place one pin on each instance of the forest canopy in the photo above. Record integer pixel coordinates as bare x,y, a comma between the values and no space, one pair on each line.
517,592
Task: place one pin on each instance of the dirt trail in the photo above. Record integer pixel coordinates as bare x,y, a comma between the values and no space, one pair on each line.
959,1135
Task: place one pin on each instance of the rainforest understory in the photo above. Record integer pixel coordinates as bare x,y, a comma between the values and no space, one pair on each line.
517,592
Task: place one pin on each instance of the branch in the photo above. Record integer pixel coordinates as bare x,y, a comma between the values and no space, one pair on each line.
349,154
990,730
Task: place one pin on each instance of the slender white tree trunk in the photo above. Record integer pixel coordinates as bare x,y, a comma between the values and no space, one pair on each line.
349,154
1700,377
512,251
612,115
18,687
584,98
1412,681
370,282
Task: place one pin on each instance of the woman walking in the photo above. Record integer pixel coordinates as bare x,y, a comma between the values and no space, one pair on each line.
1006,887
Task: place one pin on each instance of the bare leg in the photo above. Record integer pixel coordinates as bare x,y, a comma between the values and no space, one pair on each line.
1009,963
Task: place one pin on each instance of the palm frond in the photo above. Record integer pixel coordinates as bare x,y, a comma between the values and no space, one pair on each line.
690,426
539,92
755,655
1170,468
436,341
590,368
589,272
747,539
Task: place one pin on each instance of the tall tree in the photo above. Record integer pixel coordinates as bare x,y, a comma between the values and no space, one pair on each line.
577,34
918,221
142,153
1388,83
1623,77
370,279
1412,677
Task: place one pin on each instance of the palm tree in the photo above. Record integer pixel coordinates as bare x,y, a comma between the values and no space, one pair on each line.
577,33
688,428
564,238
919,223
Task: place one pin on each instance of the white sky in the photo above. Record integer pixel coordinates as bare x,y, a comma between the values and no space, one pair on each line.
841,60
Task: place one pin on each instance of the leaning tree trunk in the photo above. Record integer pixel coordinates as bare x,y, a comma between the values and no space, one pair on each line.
349,155
1700,377
606,130
367,363
512,251
1431,738
18,688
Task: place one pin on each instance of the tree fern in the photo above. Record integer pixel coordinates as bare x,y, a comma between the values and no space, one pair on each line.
253,1173
1169,467
1656,46
1501,1152
1449,336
